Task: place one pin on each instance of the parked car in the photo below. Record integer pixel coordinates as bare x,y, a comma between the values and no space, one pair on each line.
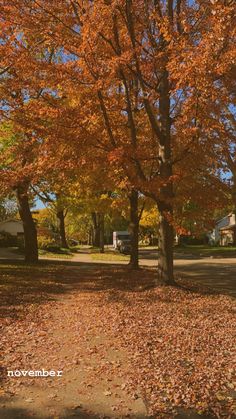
73,242
125,246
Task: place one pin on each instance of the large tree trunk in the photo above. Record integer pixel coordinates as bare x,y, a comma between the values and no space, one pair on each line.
165,202
62,231
30,232
96,229
101,228
134,229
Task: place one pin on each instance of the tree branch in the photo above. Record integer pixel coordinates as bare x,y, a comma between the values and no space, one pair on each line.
106,118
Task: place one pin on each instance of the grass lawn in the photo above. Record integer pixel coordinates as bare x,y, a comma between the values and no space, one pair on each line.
61,254
78,247
203,250
147,247
109,255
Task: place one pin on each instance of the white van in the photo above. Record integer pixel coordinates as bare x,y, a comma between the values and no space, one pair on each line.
118,236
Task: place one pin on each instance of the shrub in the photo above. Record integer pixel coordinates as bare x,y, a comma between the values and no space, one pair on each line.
7,240
46,243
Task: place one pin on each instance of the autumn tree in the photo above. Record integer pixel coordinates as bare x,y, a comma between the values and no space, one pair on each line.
144,65
17,157
57,201
150,72
21,157
226,139
149,223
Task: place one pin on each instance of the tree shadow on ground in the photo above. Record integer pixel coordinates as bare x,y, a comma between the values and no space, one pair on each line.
20,413
219,278
69,414
16,412
23,413
22,284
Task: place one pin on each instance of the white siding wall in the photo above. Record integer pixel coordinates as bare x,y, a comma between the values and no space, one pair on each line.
12,227
232,220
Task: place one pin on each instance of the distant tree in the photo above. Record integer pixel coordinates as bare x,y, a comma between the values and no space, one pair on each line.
8,208
18,158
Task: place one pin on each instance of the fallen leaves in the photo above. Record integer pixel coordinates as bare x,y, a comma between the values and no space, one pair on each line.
179,346
107,393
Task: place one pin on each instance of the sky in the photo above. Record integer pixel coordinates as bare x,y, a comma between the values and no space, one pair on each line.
39,204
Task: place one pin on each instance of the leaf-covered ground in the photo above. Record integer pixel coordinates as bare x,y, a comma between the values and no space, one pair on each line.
126,349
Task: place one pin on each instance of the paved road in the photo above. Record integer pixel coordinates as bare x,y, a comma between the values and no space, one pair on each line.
6,253
218,273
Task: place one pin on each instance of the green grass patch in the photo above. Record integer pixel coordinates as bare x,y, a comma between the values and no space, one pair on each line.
147,247
203,250
56,255
109,255
60,253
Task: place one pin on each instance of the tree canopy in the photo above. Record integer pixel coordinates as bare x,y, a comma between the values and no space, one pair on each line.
131,93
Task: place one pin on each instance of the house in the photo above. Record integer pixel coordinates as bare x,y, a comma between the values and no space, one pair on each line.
13,227
224,232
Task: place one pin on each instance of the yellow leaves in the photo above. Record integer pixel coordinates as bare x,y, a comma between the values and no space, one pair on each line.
150,217
221,397
103,197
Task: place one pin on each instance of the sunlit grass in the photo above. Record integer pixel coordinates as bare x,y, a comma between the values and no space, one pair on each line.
54,255
206,250
109,255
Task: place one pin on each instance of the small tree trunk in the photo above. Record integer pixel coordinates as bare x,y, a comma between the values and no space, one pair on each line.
62,231
96,229
101,228
150,238
166,259
30,232
165,203
134,229
89,238
234,204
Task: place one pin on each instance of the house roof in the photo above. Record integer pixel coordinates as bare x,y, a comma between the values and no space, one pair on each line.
222,218
226,217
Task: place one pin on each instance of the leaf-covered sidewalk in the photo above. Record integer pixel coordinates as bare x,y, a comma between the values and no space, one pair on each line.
125,349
